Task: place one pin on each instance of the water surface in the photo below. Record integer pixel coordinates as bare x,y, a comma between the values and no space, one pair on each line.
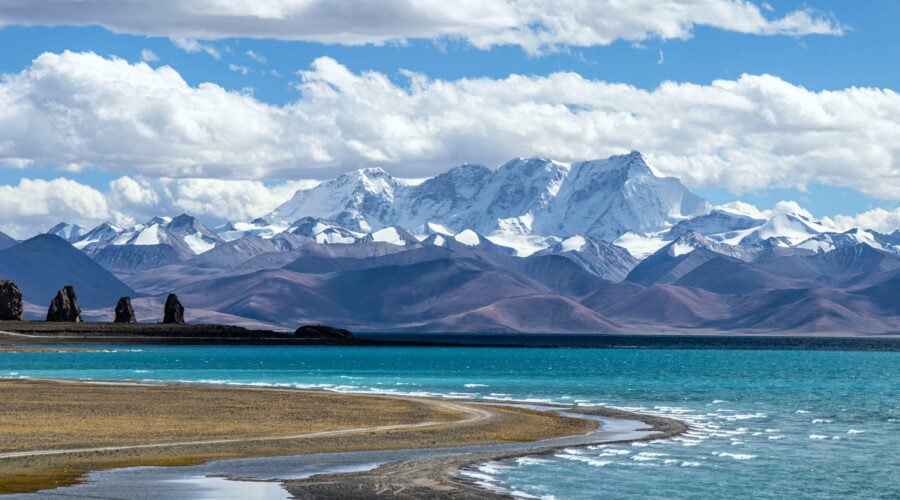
766,423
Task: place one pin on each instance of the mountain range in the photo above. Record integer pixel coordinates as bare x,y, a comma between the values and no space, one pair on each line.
602,246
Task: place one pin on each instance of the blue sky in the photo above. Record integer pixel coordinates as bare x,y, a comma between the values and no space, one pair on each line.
866,53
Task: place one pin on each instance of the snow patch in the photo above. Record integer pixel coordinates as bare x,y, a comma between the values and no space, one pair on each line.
469,238
197,244
389,235
574,244
148,236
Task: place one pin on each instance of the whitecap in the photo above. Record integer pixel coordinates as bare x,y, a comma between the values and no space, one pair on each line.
855,431
737,456
817,436
687,463
475,385
822,421
801,411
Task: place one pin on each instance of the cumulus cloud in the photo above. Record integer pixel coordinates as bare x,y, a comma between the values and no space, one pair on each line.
35,203
782,207
142,198
879,219
535,25
76,109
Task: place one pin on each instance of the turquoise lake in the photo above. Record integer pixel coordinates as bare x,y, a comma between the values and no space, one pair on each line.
765,423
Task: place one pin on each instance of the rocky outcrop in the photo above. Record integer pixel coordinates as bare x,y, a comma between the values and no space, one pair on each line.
10,301
124,311
64,307
323,332
174,312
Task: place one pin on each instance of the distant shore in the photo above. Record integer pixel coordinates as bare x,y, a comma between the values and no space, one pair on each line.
103,333
52,432
38,333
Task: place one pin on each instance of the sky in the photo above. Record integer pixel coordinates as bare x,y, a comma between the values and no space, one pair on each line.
121,110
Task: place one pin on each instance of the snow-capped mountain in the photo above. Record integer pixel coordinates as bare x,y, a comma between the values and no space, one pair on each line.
184,233
602,198
590,212
826,242
66,231
719,225
604,259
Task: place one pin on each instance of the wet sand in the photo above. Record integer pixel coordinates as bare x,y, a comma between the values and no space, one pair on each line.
440,477
54,432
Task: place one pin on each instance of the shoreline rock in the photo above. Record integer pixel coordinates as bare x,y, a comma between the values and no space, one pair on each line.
10,301
323,332
64,307
124,311
174,311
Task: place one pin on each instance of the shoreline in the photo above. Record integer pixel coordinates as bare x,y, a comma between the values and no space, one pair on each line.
41,333
440,472
443,477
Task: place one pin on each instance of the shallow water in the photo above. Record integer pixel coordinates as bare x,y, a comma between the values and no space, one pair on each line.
765,423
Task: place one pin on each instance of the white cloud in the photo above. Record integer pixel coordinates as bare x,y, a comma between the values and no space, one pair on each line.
879,219
192,46
535,25
782,207
39,204
758,131
36,205
141,198
256,57
148,55
239,69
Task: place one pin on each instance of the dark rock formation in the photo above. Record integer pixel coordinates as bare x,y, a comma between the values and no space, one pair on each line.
174,313
10,301
64,307
124,311
322,332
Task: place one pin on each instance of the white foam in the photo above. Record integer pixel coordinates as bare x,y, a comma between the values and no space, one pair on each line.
855,431
737,456
817,436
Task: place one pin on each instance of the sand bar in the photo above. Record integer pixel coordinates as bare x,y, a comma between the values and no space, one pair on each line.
53,432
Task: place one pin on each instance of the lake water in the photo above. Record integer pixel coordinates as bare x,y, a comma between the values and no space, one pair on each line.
766,423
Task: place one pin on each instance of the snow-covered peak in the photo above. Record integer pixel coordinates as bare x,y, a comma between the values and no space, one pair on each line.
161,220
826,242
362,200
311,226
66,231
430,228
394,235
523,197
792,228
574,244
692,241
468,238
719,225
258,227
601,258
104,233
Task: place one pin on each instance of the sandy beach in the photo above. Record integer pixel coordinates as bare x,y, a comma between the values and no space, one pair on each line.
53,432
